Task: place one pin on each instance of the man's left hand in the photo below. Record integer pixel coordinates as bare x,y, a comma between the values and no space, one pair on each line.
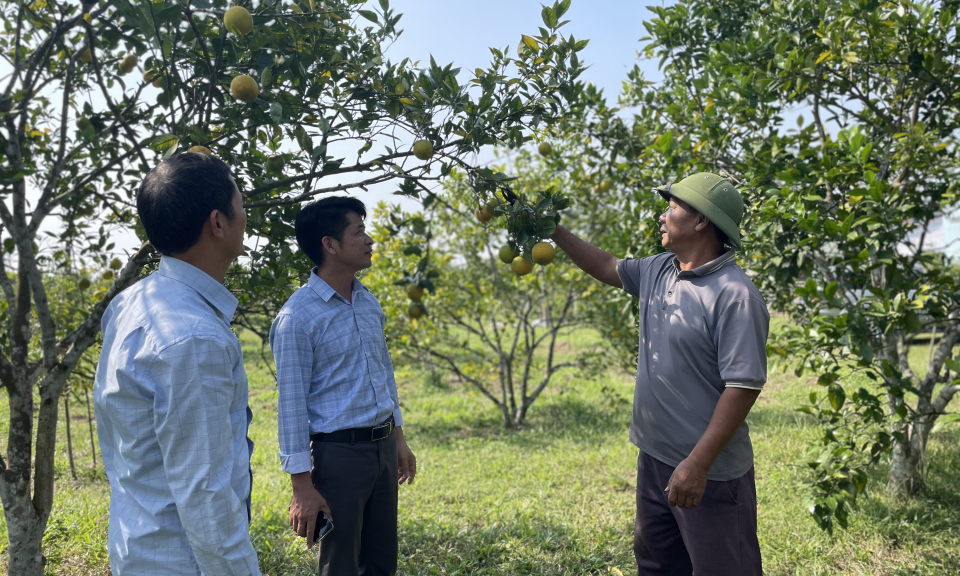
406,461
687,484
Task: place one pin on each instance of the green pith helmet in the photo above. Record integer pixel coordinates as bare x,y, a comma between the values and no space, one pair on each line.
713,196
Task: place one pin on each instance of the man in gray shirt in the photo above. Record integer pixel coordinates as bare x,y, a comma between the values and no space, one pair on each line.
701,365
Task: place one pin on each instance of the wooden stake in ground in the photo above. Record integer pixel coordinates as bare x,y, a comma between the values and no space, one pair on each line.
66,410
93,445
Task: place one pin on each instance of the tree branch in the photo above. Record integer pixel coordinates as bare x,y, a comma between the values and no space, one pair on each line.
951,334
456,370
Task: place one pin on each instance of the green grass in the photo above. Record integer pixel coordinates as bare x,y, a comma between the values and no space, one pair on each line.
556,497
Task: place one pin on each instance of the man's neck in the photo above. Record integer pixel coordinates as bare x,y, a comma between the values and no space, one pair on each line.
338,278
697,256
205,262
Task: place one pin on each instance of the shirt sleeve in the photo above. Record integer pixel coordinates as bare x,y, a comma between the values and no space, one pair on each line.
741,340
293,356
631,271
194,392
391,380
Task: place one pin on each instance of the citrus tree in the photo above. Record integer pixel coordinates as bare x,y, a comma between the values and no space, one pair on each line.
839,122
299,98
464,299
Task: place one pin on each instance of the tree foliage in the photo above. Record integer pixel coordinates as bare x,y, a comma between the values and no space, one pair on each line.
839,122
483,325
94,94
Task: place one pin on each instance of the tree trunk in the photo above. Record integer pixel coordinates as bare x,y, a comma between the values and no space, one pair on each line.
66,412
24,535
25,526
906,466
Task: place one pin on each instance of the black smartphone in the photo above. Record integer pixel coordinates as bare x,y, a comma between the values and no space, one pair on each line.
323,527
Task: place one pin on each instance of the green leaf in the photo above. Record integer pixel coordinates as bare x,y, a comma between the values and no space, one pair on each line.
276,112
943,421
530,42
830,291
836,396
912,321
369,15
164,143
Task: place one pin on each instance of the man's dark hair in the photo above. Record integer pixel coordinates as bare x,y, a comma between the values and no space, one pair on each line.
327,217
177,197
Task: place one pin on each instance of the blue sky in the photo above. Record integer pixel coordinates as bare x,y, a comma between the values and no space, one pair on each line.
461,32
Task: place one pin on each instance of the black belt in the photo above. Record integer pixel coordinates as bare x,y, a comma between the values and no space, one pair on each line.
352,435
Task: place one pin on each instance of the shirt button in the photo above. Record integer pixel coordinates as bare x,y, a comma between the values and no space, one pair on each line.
669,293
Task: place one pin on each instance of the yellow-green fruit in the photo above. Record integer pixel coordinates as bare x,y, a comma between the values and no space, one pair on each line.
116,264
128,63
415,310
83,123
86,55
545,149
244,88
107,275
275,163
238,20
423,149
152,75
507,253
543,253
415,292
483,215
83,284
492,205
605,186
521,266
200,150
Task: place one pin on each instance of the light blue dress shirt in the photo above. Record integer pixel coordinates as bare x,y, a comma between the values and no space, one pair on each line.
172,417
333,367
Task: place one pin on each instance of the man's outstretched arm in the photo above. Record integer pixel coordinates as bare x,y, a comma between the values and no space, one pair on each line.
596,262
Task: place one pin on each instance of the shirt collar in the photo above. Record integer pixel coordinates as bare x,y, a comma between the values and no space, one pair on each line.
215,293
325,292
709,268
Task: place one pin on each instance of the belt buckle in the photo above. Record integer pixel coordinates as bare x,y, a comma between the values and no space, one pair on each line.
374,436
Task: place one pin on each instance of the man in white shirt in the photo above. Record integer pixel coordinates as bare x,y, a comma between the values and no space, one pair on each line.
171,391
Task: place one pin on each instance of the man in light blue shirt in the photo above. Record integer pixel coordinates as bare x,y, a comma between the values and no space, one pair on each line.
340,427
171,391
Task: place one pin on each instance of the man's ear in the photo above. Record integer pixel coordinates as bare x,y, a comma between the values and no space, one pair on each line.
216,225
702,223
330,244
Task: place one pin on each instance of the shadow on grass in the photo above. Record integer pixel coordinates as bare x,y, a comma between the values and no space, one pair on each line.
564,419
931,516
525,546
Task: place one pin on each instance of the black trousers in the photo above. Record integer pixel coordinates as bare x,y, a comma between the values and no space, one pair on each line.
359,482
717,538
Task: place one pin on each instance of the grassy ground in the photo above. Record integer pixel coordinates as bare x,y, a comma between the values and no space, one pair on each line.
554,498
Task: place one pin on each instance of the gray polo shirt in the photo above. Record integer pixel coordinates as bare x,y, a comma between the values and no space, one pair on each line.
700,331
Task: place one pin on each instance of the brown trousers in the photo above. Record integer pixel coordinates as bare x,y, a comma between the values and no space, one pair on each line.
359,482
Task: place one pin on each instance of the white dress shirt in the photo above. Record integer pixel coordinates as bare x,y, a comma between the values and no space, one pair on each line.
171,407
